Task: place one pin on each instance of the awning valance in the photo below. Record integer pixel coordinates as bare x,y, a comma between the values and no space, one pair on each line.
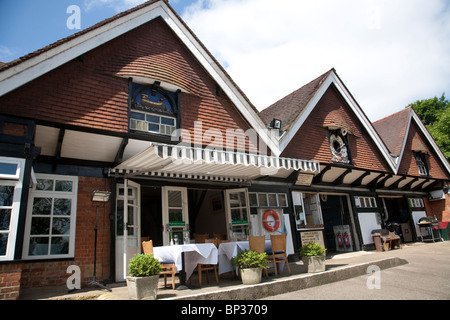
176,161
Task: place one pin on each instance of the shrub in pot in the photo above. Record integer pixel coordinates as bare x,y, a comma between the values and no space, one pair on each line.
250,264
144,270
313,257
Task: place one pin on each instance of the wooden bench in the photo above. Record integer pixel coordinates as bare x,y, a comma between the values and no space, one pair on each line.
389,239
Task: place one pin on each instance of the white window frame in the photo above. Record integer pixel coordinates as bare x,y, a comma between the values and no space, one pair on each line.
73,195
301,210
278,195
421,163
416,202
19,169
16,181
166,213
362,202
164,129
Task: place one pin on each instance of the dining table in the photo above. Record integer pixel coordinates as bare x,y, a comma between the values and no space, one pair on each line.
228,250
186,257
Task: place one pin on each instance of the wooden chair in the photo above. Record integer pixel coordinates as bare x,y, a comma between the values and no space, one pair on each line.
201,238
168,267
214,241
279,253
207,267
219,236
258,244
143,239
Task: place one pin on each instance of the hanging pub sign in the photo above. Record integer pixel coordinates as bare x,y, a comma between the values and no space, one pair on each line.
153,109
153,99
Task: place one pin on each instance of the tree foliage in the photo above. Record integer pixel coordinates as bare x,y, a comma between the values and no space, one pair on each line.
435,114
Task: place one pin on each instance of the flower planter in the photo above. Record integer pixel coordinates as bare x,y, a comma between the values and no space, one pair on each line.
314,263
251,275
143,288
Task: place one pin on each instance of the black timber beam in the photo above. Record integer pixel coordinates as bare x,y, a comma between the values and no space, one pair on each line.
339,180
407,186
383,181
396,183
359,180
318,178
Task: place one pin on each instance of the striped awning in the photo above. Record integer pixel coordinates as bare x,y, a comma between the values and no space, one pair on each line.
175,161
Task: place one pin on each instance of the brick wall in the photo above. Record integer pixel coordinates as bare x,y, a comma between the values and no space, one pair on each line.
311,140
417,142
439,208
10,277
54,273
14,129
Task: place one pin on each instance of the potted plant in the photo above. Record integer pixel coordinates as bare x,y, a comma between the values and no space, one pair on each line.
250,264
313,257
144,270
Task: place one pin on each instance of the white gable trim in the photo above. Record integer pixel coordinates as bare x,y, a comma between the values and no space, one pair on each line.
430,139
333,79
34,67
405,138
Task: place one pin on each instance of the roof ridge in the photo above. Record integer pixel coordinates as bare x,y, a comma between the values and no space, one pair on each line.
394,114
321,77
288,108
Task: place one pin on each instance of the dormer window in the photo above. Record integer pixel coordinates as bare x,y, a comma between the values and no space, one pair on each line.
153,110
339,148
421,163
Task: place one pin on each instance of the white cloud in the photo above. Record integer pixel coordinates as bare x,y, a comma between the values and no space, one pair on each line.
5,53
388,53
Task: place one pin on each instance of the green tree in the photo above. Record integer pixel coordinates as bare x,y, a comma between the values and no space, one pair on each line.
435,114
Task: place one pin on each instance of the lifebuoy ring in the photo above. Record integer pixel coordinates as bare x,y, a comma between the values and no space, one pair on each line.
266,224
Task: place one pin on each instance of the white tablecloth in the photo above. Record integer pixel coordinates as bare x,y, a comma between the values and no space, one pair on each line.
229,250
204,253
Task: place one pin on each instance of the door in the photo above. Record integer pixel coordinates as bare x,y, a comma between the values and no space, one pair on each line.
237,206
127,226
175,215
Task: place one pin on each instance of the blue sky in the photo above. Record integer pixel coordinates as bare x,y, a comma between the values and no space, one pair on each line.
389,53
28,25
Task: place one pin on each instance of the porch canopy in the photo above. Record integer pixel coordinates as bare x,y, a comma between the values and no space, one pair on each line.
176,161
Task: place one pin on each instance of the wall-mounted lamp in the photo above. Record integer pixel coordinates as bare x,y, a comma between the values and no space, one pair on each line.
275,124
100,196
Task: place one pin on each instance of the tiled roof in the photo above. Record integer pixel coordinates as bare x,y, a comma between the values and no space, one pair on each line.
392,130
290,107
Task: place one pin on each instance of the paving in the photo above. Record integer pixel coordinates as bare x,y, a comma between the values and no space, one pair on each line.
338,267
